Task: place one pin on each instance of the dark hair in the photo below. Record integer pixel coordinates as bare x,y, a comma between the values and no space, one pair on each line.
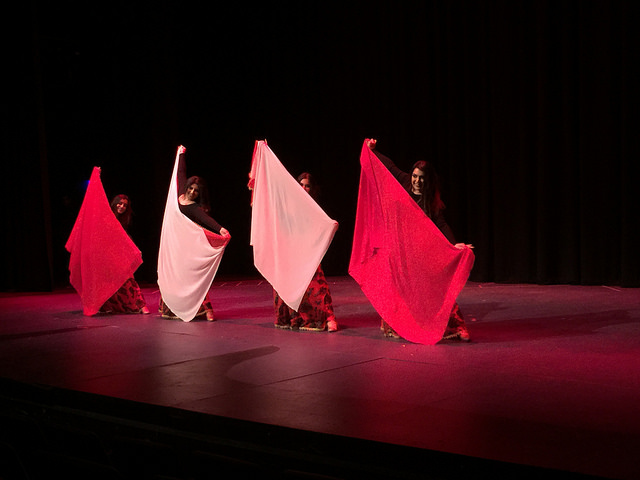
124,218
431,202
203,194
313,190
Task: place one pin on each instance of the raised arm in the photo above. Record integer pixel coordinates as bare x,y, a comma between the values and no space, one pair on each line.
403,177
182,169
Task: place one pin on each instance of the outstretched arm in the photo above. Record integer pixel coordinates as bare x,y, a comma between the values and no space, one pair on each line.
403,177
196,214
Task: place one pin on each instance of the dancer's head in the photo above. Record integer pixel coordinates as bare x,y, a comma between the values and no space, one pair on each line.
121,207
424,179
425,182
307,182
196,191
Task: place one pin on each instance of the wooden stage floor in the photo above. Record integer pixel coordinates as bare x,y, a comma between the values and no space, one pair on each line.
549,385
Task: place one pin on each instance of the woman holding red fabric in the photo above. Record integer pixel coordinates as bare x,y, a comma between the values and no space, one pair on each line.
129,297
423,187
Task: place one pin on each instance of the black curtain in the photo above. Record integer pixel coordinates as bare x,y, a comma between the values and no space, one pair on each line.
525,108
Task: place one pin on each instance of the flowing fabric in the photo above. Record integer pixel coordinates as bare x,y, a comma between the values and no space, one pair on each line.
103,256
188,258
290,233
405,266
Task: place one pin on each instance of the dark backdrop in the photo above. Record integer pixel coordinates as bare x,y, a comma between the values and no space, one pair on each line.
524,107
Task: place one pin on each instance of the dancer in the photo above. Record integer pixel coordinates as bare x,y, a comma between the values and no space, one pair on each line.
290,234
103,256
315,313
129,297
423,187
191,247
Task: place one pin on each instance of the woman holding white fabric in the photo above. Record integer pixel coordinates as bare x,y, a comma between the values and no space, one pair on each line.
193,204
315,313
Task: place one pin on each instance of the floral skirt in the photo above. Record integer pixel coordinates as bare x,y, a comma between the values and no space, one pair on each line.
167,313
128,299
315,309
455,325
456,322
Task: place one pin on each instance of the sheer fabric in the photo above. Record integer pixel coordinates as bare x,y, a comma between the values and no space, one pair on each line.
188,258
405,266
290,233
103,256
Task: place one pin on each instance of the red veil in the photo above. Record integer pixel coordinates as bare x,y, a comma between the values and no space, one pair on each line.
103,256
405,266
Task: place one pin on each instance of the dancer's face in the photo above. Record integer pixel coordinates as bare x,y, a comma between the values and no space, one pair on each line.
306,184
192,192
417,181
122,206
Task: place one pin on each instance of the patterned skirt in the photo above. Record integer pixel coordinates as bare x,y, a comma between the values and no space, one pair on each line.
204,308
315,310
128,299
455,327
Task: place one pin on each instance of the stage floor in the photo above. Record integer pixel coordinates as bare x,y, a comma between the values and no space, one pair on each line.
550,379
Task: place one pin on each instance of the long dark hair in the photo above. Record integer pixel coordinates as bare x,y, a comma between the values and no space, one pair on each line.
430,202
203,193
126,217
